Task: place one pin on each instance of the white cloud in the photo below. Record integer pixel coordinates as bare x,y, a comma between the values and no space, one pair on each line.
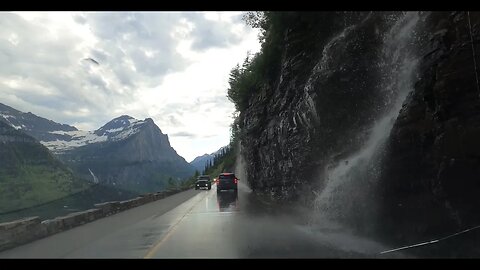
170,66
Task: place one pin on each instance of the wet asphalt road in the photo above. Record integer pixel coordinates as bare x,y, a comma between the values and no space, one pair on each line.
199,224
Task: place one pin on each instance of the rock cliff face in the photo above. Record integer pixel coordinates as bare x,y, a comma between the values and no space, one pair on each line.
431,172
323,100
331,121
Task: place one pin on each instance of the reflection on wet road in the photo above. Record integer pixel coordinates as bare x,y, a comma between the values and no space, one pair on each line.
227,201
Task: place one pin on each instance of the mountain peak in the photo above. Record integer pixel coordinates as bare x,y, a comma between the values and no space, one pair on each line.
124,117
149,121
124,120
118,125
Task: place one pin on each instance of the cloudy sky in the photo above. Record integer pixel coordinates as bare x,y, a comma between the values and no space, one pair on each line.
169,66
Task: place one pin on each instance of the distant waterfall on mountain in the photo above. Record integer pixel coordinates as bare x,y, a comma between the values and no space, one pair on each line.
95,179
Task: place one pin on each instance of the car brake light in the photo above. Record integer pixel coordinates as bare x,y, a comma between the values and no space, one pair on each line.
236,181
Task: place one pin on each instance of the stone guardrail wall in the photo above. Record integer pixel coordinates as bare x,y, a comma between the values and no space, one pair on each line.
22,231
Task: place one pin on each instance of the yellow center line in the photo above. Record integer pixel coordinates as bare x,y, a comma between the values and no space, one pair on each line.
170,232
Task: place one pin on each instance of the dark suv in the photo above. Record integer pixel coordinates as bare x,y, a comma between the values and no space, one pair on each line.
203,181
227,181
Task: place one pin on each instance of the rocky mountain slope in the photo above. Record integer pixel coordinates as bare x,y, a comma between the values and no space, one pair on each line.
29,173
136,155
125,152
38,127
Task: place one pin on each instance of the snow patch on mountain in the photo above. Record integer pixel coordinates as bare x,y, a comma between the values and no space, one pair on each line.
6,118
121,130
125,134
77,138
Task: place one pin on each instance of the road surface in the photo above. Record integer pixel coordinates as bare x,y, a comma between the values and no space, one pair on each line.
198,224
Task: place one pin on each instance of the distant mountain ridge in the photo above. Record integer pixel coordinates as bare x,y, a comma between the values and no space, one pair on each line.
37,127
200,161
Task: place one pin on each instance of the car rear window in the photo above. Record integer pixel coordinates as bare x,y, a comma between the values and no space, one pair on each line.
229,176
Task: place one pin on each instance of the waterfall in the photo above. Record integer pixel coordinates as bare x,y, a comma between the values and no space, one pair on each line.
347,196
95,179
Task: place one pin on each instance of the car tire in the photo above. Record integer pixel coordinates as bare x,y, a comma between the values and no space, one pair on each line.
196,188
209,188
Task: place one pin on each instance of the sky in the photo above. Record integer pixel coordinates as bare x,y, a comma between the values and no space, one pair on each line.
172,67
